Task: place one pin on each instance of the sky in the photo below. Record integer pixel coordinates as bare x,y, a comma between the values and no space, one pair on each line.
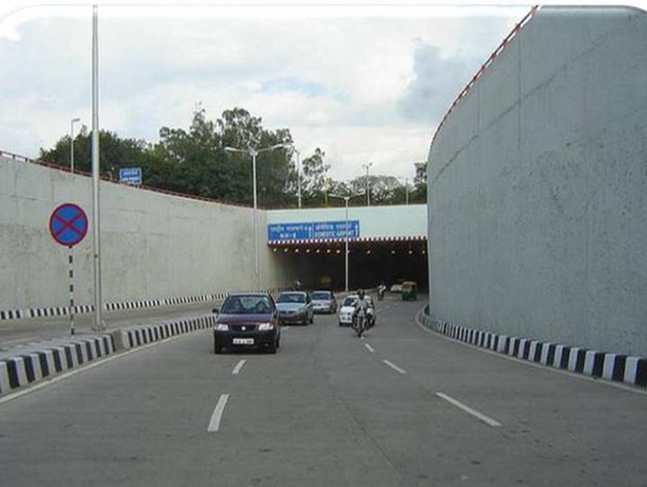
366,84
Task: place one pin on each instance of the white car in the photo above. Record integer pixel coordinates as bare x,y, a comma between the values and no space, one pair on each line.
346,310
348,307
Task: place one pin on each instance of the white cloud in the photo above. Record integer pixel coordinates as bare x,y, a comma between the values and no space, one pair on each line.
336,79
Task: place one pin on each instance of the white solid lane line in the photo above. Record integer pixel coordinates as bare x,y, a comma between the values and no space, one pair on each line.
469,410
214,424
239,366
370,349
394,367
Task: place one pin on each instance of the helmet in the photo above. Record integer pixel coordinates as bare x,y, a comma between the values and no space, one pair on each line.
360,293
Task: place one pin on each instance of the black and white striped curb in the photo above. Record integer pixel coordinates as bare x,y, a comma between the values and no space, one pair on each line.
136,336
24,369
29,367
605,365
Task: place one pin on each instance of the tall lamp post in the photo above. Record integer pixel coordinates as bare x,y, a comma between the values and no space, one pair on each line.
368,189
345,198
254,152
298,176
406,191
72,122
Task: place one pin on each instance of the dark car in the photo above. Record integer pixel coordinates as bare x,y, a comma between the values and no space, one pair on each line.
295,307
324,302
247,320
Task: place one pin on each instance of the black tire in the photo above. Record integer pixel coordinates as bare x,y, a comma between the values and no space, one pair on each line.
217,348
312,318
272,347
361,327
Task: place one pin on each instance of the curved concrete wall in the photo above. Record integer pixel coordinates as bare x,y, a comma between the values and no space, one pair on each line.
538,187
153,245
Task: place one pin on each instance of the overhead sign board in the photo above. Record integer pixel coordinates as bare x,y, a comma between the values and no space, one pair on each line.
130,175
313,230
68,224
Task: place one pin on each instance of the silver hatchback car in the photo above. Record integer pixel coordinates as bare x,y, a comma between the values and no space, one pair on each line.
324,302
295,307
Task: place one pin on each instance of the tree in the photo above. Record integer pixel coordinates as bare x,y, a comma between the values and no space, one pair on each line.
114,153
314,179
240,130
383,189
419,194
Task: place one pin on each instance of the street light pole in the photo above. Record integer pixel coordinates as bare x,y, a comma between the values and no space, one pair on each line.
72,142
368,189
345,198
98,321
406,191
254,152
298,178
346,250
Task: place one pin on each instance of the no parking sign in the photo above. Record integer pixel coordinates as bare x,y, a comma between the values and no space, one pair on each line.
68,224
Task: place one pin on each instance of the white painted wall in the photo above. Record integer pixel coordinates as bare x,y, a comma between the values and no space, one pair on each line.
153,245
538,187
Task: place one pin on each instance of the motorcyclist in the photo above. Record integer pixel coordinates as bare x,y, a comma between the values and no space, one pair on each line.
381,288
365,304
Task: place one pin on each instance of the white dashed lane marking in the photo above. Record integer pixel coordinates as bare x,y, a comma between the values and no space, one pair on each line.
214,424
394,367
469,410
238,367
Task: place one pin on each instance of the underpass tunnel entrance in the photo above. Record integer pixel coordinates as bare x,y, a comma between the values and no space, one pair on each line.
319,265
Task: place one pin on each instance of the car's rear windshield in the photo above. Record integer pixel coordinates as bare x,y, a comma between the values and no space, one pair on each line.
349,301
241,305
291,298
321,295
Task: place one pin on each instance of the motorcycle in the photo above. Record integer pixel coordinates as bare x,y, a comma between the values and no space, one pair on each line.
380,292
360,323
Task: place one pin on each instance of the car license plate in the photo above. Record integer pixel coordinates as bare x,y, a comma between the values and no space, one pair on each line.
243,341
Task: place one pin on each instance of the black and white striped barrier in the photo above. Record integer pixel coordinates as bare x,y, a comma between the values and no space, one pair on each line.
26,368
609,366
130,305
137,336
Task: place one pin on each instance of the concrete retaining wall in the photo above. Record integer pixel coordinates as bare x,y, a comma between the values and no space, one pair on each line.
538,187
154,246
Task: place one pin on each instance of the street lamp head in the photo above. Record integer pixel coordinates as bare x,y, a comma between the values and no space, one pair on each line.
77,119
275,146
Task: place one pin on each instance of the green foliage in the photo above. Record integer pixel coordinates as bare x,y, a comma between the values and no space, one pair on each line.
114,153
195,162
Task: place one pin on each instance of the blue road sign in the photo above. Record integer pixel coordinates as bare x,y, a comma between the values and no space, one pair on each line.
68,224
130,175
313,230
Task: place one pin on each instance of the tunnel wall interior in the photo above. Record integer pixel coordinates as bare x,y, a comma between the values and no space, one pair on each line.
538,187
369,263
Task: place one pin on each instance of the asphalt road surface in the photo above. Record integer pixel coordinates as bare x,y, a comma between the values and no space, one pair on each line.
402,407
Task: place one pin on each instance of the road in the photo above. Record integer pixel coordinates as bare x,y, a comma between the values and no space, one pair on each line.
402,407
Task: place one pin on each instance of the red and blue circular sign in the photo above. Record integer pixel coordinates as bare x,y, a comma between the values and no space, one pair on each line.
68,224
